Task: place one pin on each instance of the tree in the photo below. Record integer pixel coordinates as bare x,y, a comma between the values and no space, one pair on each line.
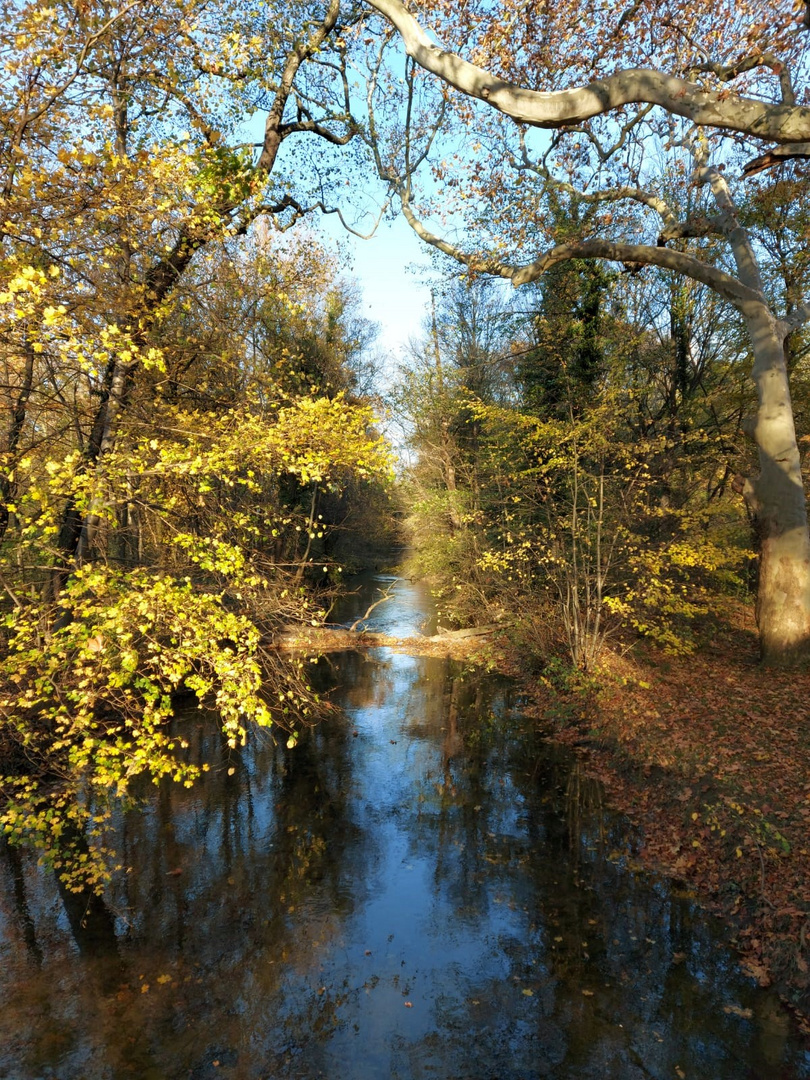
206,525
461,358
564,371
674,81
122,160
179,388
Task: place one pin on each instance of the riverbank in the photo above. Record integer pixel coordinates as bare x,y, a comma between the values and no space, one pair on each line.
710,755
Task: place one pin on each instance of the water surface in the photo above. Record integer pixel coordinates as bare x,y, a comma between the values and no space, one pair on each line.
420,889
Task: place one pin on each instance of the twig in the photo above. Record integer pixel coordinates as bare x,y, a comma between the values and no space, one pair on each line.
385,596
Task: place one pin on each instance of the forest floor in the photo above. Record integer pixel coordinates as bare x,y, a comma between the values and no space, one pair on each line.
710,755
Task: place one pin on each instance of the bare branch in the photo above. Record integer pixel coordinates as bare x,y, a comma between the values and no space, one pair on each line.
316,127
728,111
477,263
624,193
729,72
642,255
632,256
692,229
299,211
301,51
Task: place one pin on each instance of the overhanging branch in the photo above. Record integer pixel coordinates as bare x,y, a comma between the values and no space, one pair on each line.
778,123
632,255
642,255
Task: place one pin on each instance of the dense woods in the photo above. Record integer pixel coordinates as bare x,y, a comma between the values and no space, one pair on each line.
652,125
574,474
185,436
189,422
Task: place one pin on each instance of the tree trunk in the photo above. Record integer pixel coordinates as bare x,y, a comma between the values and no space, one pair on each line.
776,499
77,531
15,429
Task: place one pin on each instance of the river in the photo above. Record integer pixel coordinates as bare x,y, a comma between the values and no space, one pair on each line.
420,890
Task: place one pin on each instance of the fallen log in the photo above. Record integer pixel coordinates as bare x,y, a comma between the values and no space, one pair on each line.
470,631
328,639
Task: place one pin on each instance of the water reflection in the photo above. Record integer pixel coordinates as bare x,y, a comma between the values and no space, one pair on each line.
420,889
402,608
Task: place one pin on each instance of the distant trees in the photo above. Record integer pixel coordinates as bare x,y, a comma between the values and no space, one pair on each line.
461,360
588,496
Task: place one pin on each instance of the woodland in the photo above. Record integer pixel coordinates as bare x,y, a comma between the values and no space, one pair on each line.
603,414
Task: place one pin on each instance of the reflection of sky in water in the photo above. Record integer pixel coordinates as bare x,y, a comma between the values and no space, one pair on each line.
406,614
414,892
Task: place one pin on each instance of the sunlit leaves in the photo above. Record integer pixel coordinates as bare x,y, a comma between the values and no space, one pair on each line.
91,702
176,401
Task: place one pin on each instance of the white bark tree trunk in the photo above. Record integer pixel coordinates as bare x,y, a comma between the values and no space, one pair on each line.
776,497
777,500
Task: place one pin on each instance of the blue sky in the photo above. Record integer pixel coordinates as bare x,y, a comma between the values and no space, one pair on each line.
388,269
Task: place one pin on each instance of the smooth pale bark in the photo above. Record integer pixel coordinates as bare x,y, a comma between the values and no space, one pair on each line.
726,110
776,498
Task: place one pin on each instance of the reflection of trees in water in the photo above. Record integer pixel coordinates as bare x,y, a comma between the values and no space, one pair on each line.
254,848
242,907
16,911
360,680
218,905
67,1007
602,975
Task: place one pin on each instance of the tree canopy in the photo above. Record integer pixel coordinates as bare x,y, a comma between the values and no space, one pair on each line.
646,108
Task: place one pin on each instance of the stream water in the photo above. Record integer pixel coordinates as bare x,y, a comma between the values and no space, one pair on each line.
420,889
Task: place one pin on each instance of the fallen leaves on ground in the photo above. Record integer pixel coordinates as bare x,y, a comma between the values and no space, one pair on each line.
710,755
